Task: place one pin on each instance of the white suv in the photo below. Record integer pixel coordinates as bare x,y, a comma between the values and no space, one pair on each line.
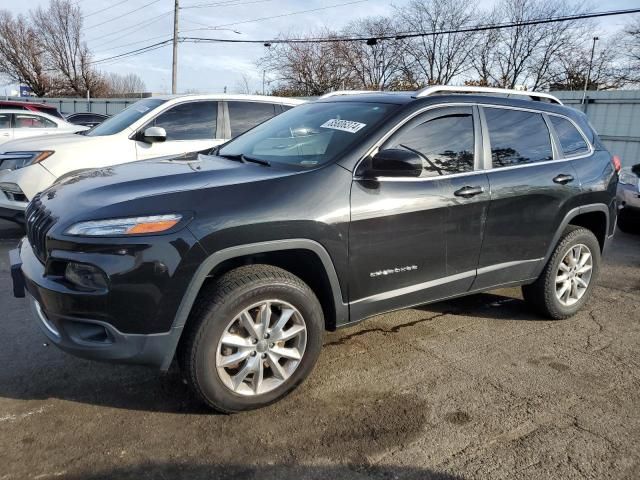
16,124
150,128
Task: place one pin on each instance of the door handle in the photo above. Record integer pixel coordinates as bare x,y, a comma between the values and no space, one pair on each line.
468,192
563,179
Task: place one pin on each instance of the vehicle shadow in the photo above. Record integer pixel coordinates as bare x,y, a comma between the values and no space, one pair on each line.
38,372
176,471
497,305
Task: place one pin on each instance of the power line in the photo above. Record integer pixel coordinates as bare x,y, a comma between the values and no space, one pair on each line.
137,51
403,35
480,28
123,15
228,3
136,26
103,9
134,43
290,14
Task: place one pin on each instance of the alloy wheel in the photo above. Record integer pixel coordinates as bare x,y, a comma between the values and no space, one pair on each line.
261,347
574,274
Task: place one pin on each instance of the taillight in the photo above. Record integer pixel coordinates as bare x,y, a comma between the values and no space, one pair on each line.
615,160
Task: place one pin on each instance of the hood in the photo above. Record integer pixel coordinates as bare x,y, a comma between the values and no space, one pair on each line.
47,142
94,189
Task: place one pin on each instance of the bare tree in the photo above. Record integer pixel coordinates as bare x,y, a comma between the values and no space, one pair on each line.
307,68
60,29
524,54
483,60
22,56
123,85
244,84
377,65
569,71
631,48
439,58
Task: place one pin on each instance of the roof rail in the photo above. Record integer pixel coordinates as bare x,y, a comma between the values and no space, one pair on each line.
345,92
425,92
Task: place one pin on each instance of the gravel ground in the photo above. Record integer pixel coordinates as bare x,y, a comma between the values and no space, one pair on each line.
478,387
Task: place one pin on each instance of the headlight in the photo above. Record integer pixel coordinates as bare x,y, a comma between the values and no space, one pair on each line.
16,160
124,226
628,178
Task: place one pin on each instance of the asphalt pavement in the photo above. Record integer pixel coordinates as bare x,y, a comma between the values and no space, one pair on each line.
479,387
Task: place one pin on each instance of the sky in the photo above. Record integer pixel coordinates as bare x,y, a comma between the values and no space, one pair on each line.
212,67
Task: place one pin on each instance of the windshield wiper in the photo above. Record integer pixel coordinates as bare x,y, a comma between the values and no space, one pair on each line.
241,157
259,161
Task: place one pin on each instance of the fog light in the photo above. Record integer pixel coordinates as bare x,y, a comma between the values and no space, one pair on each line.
10,187
85,276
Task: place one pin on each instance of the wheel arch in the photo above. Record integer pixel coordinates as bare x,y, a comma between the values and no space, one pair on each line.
294,255
594,217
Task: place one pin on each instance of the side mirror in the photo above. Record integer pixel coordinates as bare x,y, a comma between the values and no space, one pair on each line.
394,162
154,135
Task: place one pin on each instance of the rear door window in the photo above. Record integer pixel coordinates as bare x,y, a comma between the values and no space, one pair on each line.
23,120
189,121
571,139
244,116
517,137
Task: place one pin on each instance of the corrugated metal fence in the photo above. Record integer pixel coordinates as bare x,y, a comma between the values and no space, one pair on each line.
107,106
616,117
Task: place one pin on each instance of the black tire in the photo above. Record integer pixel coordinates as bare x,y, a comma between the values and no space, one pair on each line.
541,294
217,305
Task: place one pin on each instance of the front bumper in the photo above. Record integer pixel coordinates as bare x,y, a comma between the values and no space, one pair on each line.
97,340
628,197
12,209
91,324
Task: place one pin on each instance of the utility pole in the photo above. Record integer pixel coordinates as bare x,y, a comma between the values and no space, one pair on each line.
264,72
588,79
174,71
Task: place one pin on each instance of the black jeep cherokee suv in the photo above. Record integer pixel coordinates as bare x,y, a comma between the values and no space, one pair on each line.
237,261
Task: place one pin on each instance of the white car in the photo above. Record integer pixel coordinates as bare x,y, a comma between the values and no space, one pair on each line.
16,124
150,128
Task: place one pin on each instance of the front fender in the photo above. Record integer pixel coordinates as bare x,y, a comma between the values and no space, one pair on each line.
341,309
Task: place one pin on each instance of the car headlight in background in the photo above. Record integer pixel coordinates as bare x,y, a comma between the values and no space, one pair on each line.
13,192
628,178
124,226
16,160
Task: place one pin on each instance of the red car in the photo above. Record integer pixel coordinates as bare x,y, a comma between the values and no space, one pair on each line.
34,107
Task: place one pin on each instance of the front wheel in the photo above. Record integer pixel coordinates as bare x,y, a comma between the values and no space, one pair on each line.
254,336
567,280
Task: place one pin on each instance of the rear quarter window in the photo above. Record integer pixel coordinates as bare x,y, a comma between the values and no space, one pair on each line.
517,137
244,116
571,140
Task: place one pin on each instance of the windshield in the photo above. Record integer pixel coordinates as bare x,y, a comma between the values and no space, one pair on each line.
309,135
126,117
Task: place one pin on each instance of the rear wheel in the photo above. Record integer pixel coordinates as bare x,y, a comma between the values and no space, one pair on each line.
254,336
567,280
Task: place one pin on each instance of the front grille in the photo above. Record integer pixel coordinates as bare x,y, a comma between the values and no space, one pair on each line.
38,222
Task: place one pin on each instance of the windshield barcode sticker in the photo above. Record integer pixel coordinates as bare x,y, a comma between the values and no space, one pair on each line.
344,125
